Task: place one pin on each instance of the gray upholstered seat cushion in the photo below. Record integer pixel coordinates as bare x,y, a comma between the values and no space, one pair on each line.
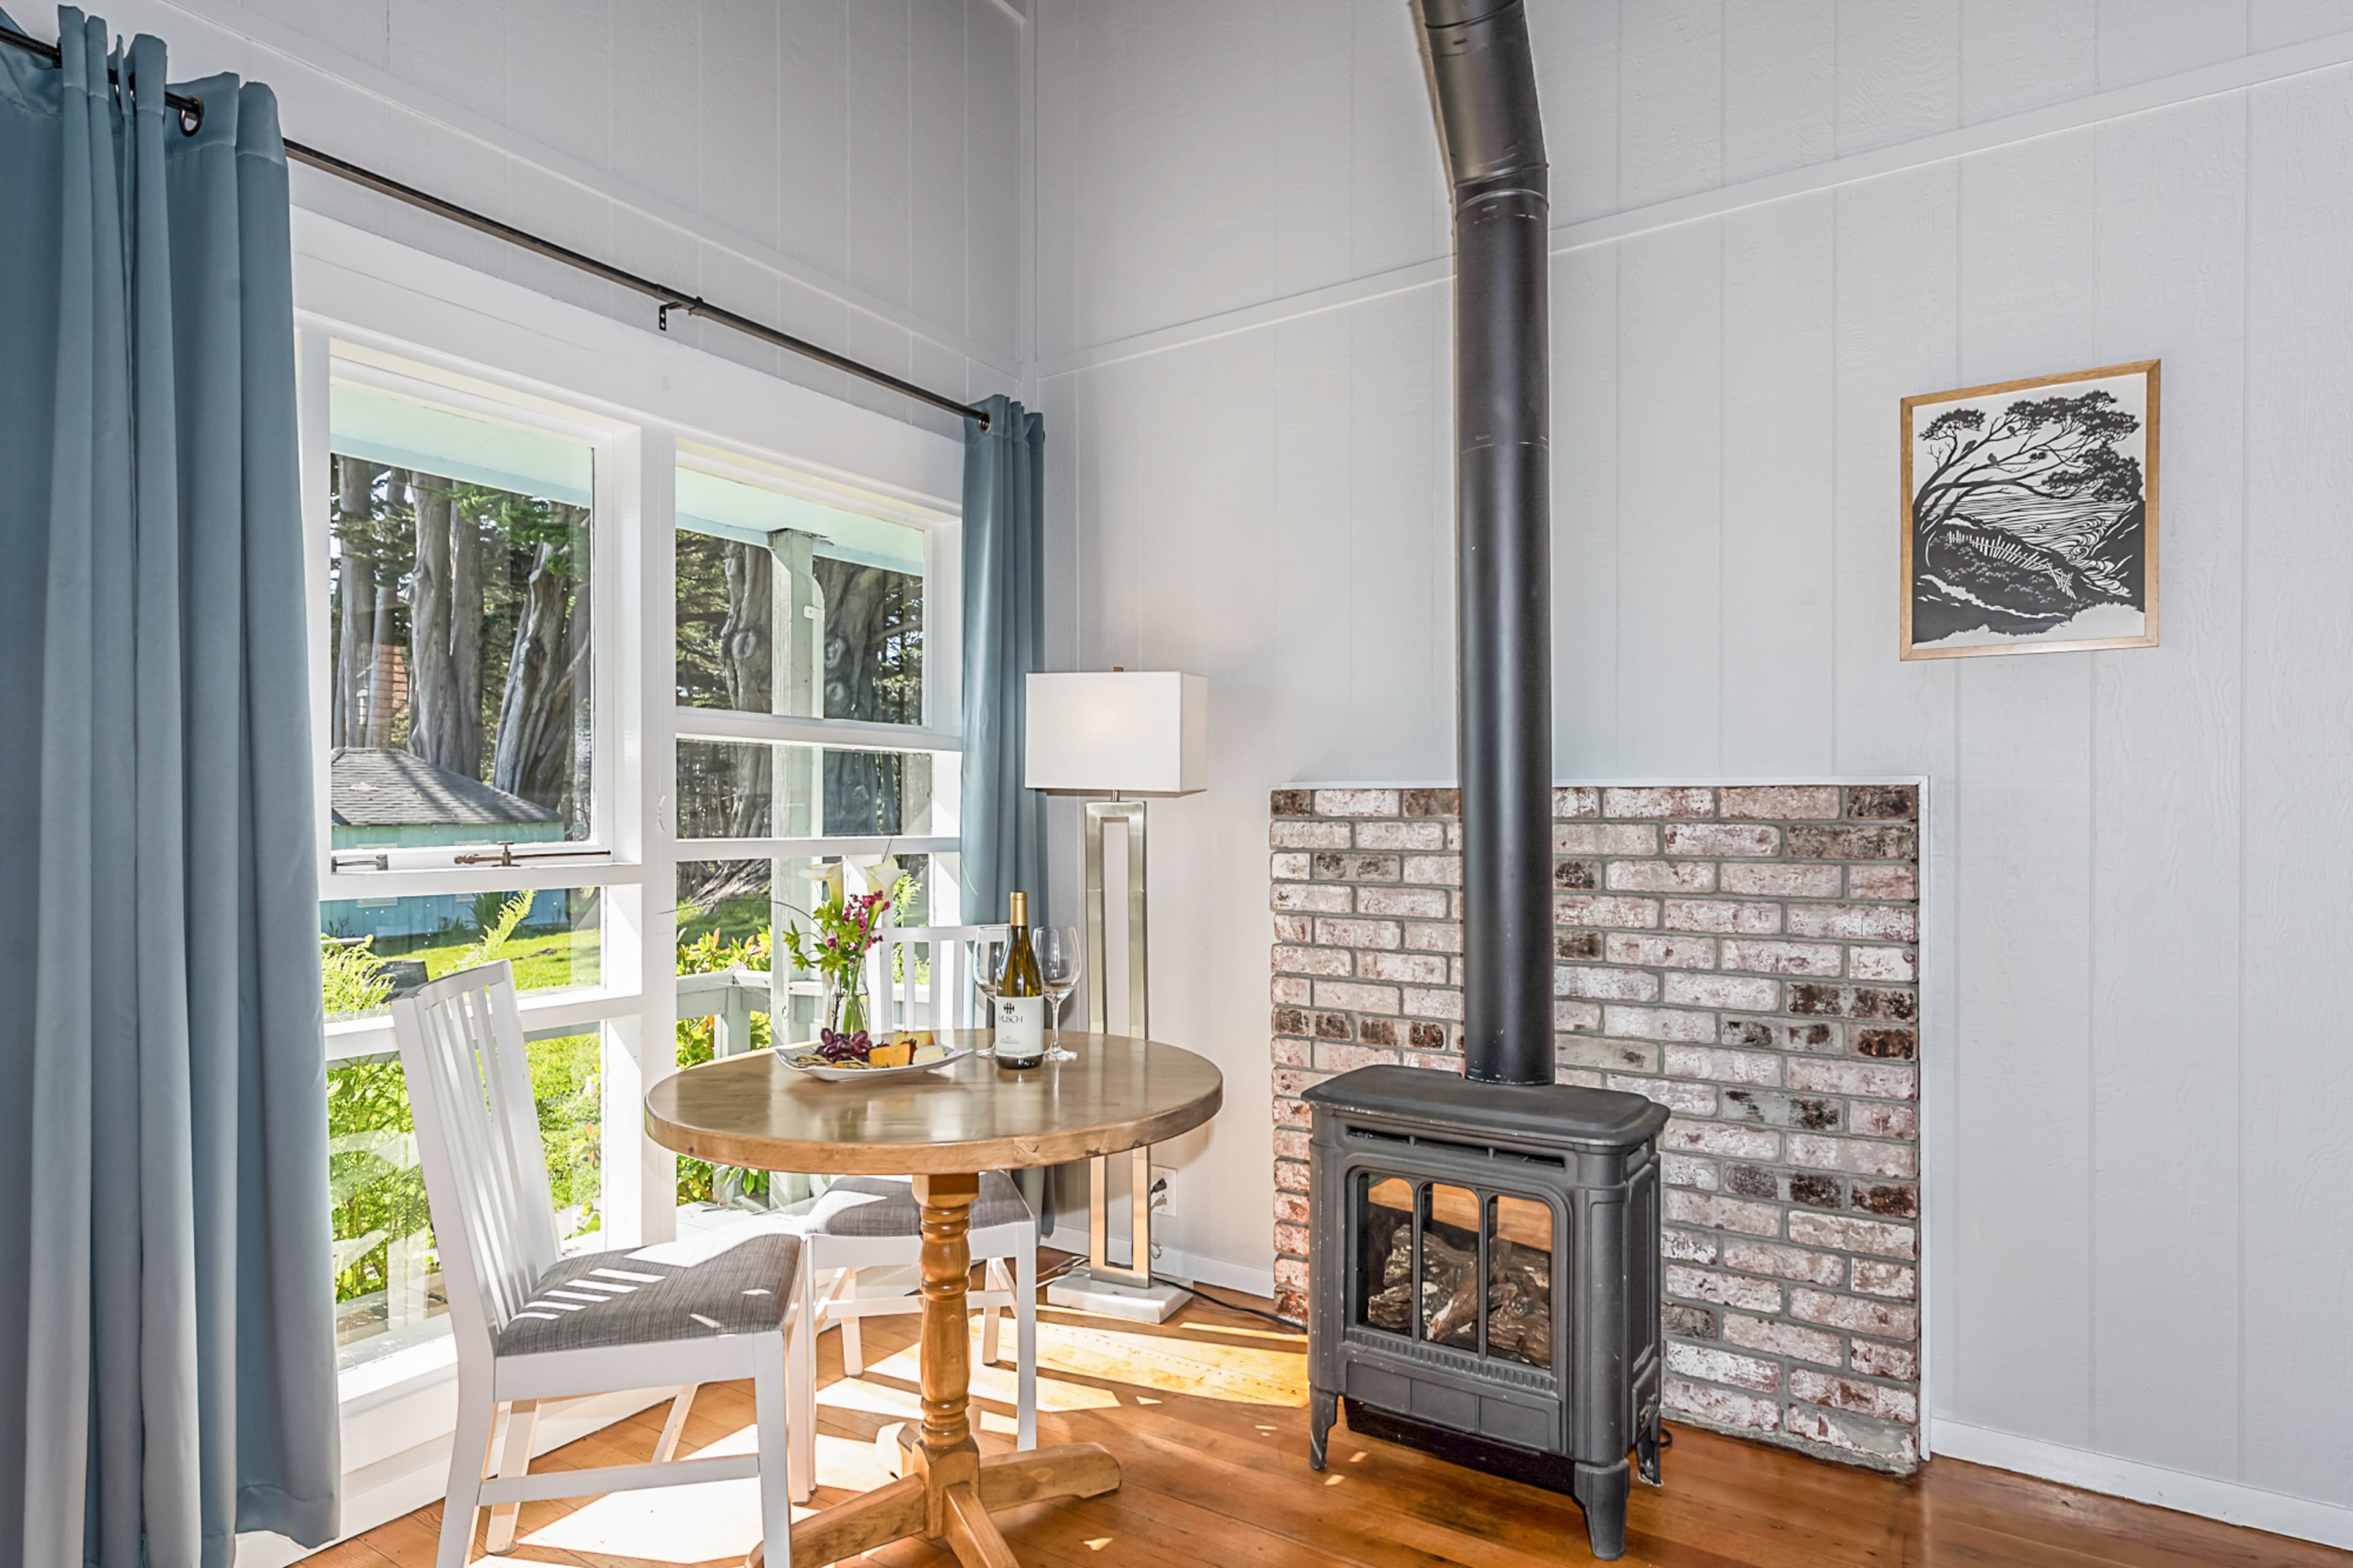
729,1283
885,1205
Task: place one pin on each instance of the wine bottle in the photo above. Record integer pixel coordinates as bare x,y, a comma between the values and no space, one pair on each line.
1021,997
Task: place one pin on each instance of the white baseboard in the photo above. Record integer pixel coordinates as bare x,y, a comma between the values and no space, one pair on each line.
2233,1502
1215,1272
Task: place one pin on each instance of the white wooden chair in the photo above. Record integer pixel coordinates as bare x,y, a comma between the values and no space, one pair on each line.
872,1222
533,1327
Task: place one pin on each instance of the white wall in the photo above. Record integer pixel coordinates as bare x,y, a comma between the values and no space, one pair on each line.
1774,221
849,170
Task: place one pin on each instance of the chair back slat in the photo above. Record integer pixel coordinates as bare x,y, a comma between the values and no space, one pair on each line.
462,1050
935,989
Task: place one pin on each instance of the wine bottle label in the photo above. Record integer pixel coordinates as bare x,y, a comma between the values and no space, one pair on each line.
1021,1026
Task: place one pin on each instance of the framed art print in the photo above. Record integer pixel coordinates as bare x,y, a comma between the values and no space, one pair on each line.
2029,515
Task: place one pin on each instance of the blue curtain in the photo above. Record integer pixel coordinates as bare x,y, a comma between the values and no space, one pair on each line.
1004,827
167,1332
1004,823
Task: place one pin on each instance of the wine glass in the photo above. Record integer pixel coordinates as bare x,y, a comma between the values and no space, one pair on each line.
1060,959
988,955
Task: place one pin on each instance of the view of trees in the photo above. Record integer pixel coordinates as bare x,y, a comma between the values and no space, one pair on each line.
873,670
460,628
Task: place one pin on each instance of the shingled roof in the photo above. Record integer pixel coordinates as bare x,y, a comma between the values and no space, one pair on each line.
375,787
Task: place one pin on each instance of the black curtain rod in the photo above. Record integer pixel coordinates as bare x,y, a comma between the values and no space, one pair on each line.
192,109
191,114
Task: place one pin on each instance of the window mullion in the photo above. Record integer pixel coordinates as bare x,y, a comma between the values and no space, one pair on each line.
641,1179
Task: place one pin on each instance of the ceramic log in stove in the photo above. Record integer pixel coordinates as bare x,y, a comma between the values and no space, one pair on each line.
1483,1269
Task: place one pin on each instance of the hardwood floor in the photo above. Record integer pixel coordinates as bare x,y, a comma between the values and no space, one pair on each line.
1205,1415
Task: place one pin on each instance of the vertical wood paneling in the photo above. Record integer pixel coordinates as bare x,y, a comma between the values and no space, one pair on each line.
993,215
1670,493
2166,1043
1779,518
1577,81
1312,143
1895,293
2022,766
1307,544
812,92
1398,209
879,126
940,163
1205,618
1898,305
738,115
559,98
1585,510
2023,53
1899,71
2273,23
1670,99
2296,1134
1780,87
1400,505
2140,40
653,97
459,48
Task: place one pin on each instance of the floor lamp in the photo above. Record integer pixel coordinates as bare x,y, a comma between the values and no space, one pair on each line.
1129,735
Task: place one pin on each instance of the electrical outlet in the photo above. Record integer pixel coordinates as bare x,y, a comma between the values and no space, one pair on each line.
1164,1206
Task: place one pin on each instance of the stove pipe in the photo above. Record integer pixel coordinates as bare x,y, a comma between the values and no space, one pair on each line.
1482,86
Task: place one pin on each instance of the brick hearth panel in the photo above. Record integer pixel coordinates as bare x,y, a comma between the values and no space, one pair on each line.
1745,955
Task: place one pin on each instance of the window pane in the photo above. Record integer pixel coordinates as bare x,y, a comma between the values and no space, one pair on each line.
388,1287
459,625
727,911
788,606
387,1282
375,949
567,1084
724,917
730,789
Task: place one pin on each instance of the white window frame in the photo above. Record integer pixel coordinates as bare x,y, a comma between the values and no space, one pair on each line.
471,342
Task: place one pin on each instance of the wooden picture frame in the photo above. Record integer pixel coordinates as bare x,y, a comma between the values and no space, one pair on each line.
2030,524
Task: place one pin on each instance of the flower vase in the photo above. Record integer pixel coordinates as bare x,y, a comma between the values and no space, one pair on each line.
845,1004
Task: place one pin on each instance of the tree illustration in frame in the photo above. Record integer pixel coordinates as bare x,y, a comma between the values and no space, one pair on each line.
2029,515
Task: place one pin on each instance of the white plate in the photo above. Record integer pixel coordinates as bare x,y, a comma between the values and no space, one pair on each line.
803,1058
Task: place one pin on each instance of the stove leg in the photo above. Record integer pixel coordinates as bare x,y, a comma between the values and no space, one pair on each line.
1600,1490
1646,1445
1322,1408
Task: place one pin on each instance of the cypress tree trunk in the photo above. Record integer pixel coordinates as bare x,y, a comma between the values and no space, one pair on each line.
465,711
355,615
430,696
547,672
747,662
378,731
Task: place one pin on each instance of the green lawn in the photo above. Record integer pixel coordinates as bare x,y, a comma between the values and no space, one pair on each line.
542,960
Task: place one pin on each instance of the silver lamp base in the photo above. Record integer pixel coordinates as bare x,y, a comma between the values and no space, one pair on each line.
1080,1291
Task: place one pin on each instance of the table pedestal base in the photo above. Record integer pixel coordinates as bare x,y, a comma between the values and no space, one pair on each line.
946,1490
961,1503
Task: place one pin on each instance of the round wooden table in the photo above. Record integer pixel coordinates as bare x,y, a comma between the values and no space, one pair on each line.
944,1128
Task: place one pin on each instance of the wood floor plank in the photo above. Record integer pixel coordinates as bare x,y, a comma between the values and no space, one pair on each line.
1205,1415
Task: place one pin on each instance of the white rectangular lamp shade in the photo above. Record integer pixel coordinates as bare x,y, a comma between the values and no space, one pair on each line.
1132,732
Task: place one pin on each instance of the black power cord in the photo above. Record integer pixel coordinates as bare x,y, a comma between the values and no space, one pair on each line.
1217,1300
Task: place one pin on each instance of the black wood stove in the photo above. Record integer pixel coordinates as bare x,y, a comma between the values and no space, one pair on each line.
1486,1264
1485,1267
